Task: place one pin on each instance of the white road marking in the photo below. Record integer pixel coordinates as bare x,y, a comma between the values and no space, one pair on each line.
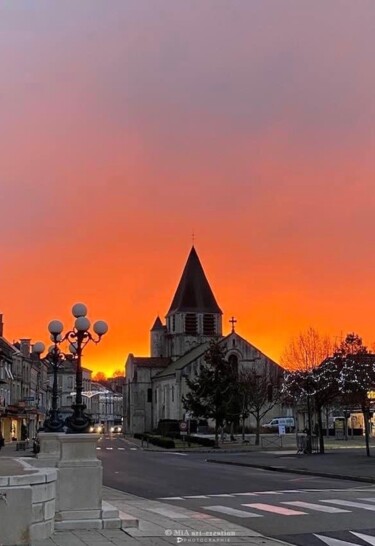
98,448
171,498
267,492
245,494
109,448
371,499
222,495
317,507
121,448
196,497
366,538
232,512
353,504
275,509
334,541
134,449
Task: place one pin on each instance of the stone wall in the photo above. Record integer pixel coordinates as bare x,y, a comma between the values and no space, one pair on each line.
27,503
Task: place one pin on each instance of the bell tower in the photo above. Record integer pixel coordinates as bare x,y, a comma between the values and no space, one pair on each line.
194,316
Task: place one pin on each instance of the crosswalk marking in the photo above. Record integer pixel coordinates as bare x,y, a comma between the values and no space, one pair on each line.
353,504
245,494
268,493
170,498
366,538
223,495
196,497
317,507
275,509
334,541
232,511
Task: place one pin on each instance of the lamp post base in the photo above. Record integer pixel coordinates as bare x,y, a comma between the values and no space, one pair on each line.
54,423
79,421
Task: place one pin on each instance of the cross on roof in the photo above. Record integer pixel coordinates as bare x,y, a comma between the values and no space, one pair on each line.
233,322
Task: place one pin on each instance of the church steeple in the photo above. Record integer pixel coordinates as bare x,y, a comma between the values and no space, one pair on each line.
194,294
194,315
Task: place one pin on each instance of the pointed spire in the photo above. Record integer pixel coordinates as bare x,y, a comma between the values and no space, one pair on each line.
194,294
158,325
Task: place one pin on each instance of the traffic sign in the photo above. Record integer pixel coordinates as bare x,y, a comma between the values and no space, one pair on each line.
183,426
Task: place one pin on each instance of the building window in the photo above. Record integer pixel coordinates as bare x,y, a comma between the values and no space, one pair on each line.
172,394
149,395
209,325
173,323
191,324
233,362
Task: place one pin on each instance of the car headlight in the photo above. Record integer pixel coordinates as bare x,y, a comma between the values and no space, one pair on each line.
92,429
112,429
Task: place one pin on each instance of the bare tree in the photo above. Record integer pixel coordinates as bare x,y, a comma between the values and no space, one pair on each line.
306,351
99,377
258,394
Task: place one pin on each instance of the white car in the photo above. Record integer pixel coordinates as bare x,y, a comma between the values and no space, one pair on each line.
116,428
98,428
287,422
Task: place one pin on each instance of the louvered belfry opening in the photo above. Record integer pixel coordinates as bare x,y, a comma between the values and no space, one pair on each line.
191,324
209,328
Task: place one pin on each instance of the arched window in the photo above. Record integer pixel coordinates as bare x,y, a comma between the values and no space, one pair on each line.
233,362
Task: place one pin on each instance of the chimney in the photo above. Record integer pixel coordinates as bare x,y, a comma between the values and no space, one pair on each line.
1,325
25,345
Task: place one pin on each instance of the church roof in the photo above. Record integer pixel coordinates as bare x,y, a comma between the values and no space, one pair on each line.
185,360
199,350
194,294
151,361
157,325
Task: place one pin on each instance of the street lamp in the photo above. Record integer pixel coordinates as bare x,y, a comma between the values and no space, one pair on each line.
78,337
54,422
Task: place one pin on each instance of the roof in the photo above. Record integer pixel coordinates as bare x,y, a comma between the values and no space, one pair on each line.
157,325
185,359
194,293
151,361
199,350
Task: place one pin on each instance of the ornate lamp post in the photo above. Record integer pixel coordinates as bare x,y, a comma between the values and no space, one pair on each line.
78,337
54,422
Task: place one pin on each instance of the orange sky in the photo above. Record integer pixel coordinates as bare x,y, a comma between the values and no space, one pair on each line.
125,129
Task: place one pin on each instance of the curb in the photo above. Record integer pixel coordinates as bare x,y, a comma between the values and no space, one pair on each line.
364,479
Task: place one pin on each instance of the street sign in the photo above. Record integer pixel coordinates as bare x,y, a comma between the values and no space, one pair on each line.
183,426
281,430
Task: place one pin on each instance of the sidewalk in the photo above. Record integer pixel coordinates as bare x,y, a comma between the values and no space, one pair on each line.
345,464
159,525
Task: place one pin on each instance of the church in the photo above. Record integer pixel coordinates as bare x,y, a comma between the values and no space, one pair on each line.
155,385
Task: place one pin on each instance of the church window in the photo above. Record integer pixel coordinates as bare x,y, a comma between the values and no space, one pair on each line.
172,394
149,395
269,393
191,324
208,325
233,362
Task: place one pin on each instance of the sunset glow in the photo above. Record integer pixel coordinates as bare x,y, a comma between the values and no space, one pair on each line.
126,126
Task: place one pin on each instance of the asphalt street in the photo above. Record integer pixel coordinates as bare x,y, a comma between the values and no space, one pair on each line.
290,507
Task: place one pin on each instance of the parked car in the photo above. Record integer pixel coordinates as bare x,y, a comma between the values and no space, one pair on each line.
287,422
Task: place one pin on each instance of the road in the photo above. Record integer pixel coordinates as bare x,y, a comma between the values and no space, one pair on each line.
286,506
